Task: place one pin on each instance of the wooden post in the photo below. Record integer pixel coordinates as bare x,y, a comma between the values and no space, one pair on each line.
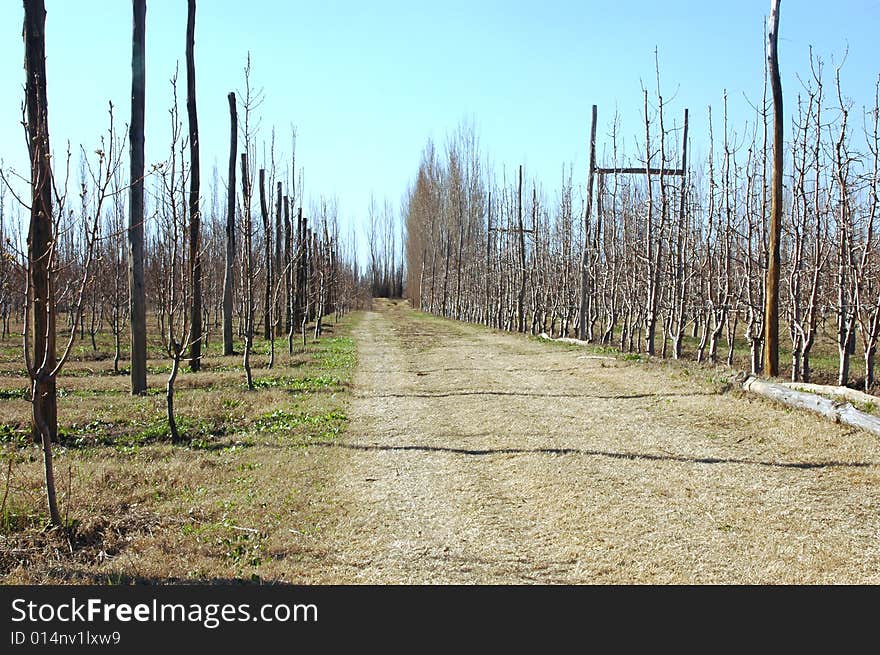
195,218
267,251
771,307
585,272
684,159
137,291
230,228
488,280
278,265
520,300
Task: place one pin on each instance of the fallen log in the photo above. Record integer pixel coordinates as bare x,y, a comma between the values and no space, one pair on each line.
839,412
574,342
852,395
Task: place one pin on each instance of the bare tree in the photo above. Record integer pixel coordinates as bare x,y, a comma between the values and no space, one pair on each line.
252,100
250,308
41,366
172,227
868,293
847,268
43,251
114,261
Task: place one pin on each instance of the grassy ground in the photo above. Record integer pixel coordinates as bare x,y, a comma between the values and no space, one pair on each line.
237,501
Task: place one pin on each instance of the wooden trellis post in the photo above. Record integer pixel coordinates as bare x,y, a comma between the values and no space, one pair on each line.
521,231
594,170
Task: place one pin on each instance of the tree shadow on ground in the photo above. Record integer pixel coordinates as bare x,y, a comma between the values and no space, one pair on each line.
534,394
654,457
75,575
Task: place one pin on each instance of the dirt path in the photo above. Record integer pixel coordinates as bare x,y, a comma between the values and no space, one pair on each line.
480,457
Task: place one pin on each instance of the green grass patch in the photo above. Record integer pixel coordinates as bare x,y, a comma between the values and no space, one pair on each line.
304,424
15,519
336,353
14,394
14,434
133,434
292,383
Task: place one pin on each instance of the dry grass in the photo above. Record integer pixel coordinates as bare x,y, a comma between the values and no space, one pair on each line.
482,457
471,456
242,500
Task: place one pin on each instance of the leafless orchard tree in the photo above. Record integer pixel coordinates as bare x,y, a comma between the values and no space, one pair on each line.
42,264
172,247
662,250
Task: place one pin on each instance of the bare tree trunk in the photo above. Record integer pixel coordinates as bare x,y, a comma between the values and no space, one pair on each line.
248,272
169,391
195,218
40,246
137,291
117,327
845,250
771,308
228,279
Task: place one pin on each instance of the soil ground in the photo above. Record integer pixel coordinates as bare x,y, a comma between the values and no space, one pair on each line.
475,456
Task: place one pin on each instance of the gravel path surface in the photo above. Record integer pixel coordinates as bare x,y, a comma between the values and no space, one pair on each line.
480,457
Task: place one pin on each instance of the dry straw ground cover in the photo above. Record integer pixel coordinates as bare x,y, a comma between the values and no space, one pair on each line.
242,499
485,457
451,454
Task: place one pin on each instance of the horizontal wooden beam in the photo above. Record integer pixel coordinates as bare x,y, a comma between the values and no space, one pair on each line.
643,171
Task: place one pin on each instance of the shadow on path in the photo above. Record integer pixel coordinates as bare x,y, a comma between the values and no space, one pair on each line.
532,394
476,452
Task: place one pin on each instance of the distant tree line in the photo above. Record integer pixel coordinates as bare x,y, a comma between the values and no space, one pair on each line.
659,256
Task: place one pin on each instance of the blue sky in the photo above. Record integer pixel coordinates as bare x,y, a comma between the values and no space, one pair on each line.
367,83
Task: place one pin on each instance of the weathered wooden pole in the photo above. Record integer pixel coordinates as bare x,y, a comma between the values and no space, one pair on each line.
267,253
585,259
195,217
228,279
521,295
771,306
137,290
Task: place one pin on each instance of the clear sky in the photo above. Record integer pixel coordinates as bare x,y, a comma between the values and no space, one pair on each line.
367,83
